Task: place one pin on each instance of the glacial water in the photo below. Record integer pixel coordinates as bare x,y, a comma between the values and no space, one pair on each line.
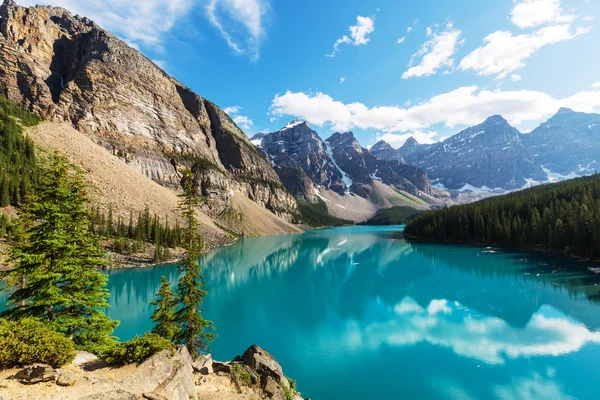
354,313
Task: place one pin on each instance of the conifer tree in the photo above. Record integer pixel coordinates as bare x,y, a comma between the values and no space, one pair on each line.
193,329
164,311
56,261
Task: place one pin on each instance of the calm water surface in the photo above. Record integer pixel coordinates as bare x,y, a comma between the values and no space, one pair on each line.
353,313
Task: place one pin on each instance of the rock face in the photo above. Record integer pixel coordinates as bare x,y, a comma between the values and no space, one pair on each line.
36,373
362,167
491,154
301,159
568,143
67,68
165,374
382,150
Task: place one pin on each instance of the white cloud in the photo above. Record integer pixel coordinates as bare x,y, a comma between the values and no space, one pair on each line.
242,121
588,18
342,79
466,105
135,21
396,140
272,119
410,28
401,40
532,13
240,22
516,77
232,109
504,53
436,52
358,34
596,85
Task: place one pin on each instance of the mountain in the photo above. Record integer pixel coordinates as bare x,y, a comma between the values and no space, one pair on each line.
491,155
352,182
301,159
363,168
68,69
568,144
384,151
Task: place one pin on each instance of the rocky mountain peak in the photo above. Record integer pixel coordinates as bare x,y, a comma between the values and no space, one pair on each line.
382,150
297,123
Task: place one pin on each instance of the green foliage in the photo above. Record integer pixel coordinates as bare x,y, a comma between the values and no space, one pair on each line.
316,215
192,329
18,168
56,260
164,311
241,375
563,216
29,341
398,215
136,350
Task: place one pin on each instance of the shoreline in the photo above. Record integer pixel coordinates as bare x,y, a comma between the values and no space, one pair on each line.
561,254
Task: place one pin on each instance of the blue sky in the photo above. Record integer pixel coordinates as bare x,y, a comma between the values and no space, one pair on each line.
424,68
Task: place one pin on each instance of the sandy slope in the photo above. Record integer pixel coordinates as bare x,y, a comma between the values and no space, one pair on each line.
358,209
112,182
257,220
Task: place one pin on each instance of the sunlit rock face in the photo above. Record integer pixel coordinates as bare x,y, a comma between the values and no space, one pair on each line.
491,154
568,144
67,68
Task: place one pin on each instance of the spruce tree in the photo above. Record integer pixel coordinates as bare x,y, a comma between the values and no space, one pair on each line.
193,329
56,261
164,311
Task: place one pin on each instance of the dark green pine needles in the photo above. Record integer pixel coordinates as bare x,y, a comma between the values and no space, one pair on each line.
56,261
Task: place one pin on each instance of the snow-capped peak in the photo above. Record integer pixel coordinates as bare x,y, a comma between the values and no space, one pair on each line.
292,124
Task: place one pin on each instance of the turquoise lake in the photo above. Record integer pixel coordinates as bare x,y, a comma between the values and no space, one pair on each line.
353,313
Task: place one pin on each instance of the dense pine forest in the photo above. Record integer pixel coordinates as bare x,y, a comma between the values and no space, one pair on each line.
397,215
561,217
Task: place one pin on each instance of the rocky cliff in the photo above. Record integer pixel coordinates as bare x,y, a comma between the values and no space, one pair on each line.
384,151
491,154
568,144
67,68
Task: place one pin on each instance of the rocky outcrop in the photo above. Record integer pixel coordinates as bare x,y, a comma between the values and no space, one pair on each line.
362,167
568,144
382,150
296,152
490,155
67,68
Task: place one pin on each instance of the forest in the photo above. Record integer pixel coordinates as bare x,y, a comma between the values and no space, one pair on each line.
563,217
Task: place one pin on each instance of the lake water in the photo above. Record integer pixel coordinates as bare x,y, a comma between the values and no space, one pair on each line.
352,313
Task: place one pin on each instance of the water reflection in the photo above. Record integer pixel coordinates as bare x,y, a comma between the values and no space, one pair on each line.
409,316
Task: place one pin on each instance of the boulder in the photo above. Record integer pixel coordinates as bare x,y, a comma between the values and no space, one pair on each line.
65,378
265,364
83,357
203,365
36,373
154,396
272,389
167,374
224,367
112,395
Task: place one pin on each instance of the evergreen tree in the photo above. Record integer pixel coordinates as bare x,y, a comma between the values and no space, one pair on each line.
56,260
193,329
164,311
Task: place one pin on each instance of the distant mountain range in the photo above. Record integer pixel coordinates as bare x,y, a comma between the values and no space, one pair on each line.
490,158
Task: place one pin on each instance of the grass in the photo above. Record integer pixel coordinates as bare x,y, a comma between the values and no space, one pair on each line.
316,215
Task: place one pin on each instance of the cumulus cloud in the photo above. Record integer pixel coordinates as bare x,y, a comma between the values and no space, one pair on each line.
504,52
240,23
358,34
401,40
436,53
532,13
135,21
342,79
466,105
242,121
516,77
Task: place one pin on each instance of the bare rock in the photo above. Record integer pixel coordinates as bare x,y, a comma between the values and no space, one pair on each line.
36,373
272,389
167,374
65,378
221,367
265,364
112,395
203,365
154,396
84,357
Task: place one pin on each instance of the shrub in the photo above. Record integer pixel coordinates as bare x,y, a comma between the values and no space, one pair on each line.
28,341
136,350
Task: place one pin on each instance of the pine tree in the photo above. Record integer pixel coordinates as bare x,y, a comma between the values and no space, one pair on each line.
164,311
193,329
56,261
